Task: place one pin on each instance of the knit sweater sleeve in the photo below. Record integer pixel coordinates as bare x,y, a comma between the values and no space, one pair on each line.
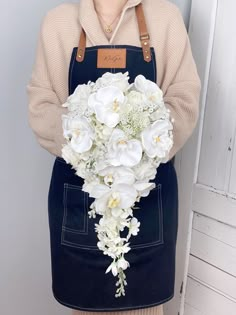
44,106
181,84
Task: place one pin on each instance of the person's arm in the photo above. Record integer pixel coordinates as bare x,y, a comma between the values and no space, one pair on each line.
181,83
44,106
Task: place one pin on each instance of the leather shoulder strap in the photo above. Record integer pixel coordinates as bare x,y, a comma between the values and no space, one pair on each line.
81,46
144,37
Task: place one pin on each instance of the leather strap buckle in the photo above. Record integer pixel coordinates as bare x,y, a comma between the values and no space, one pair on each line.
144,37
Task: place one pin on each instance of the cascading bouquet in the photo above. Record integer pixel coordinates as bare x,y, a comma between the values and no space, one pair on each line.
117,135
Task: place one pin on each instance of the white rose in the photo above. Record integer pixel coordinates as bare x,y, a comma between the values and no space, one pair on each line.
135,98
70,156
81,170
119,80
160,113
79,99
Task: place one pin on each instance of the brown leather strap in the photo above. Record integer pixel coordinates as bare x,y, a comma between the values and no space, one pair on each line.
81,46
144,37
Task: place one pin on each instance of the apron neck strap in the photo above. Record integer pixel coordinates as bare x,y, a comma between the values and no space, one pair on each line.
144,37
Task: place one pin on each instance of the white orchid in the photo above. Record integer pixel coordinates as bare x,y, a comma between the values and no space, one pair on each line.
81,134
116,197
117,175
88,186
107,103
156,140
144,188
122,151
145,170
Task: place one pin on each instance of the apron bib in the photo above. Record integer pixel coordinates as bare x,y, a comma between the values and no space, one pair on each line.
77,265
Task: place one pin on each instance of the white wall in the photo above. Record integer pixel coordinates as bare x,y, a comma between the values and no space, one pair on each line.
184,6
25,275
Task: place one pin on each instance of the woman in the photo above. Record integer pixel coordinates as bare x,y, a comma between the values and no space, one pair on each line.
76,40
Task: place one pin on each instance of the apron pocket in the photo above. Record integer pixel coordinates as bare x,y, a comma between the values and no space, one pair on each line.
150,216
78,230
77,227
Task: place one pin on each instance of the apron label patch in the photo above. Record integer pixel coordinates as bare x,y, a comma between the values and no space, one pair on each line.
111,58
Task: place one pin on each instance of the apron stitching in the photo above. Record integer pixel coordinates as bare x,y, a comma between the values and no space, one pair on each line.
119,308
64,224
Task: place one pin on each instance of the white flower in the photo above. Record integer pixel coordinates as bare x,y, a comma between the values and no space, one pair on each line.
119,196
106,103
123,263
122,151
81,170
81,133
119,80
79,99
144,188
156,140
149,88
117,175
135,98
134,226
113,268
69,155
145,171
160,113
89,185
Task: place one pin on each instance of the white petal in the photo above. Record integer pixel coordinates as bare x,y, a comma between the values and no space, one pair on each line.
109,93
133,155
99,191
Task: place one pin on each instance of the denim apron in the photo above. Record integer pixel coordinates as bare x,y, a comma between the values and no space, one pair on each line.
77,265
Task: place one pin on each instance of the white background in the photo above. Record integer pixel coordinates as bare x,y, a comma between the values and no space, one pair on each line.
25,275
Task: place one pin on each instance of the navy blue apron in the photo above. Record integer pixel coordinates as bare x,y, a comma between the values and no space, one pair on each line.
77,265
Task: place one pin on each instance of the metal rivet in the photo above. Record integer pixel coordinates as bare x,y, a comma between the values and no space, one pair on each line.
80,56
145,43
147,57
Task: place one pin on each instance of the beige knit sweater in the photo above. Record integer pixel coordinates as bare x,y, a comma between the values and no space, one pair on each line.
177,75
